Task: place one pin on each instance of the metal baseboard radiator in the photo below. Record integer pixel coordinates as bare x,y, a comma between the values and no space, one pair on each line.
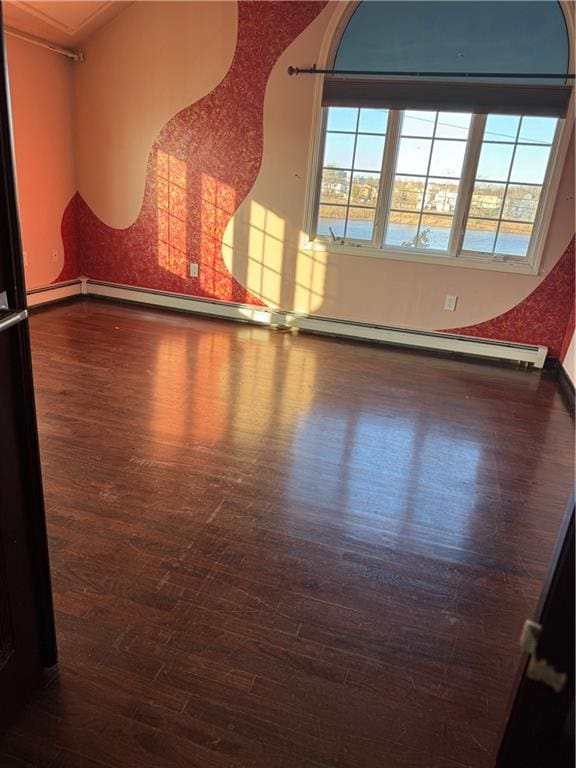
402,337
432,340
47,294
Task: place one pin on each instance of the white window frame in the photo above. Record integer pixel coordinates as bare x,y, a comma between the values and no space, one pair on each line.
454,256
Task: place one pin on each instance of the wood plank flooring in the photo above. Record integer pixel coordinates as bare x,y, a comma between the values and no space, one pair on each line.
280,551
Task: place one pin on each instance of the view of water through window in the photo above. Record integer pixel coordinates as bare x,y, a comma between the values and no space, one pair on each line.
424,187
437,237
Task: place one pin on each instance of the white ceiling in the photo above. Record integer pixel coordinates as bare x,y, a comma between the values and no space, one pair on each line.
66,23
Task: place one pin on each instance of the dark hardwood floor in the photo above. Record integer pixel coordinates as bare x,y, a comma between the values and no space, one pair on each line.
279,551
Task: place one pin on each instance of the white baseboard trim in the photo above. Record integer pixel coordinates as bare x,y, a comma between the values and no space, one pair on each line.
405,337
223,309
431,340
46,294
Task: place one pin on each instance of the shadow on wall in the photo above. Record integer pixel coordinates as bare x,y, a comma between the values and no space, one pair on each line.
277,273
193,224
202,165
175,228
263,256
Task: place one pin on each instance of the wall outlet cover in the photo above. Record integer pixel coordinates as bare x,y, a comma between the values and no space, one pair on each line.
450,303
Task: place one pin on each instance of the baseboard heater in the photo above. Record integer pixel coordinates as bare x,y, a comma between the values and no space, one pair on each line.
46,294
404,337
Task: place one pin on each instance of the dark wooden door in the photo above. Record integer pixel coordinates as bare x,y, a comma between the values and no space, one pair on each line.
540,728
26,617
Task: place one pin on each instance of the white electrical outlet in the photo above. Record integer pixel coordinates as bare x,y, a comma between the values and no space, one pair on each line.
450,303
194,269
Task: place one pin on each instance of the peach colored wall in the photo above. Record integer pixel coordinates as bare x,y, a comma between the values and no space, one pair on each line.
152,61
158,57
41,98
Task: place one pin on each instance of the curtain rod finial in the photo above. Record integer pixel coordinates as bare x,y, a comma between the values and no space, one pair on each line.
298,71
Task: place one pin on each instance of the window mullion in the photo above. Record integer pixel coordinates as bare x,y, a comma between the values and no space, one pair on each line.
433,139
467,180
386,177
506,185
319,172
351,174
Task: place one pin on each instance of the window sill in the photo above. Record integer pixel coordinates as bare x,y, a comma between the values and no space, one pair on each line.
468,262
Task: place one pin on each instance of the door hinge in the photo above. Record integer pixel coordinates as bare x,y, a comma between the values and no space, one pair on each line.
539,670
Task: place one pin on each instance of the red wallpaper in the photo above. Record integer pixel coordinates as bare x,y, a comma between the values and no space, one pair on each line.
201,167
72,267
543,316
567,336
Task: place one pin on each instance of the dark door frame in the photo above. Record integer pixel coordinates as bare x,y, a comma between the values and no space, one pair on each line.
35,521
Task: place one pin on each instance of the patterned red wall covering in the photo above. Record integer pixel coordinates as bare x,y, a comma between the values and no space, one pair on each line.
568,336
542,317
201,167
72,267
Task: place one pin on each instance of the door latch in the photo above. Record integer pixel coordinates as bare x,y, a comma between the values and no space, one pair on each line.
539,670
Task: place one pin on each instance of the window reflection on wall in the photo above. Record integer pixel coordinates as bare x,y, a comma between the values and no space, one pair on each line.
171,193
218,203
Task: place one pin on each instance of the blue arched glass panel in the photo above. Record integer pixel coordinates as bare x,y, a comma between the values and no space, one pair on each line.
456,36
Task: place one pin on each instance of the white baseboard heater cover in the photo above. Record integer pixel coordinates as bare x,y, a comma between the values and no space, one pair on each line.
49,293
405,337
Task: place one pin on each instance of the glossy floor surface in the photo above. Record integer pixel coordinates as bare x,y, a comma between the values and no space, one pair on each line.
283,551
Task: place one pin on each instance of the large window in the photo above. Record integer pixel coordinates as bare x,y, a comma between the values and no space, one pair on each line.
436,183
444,128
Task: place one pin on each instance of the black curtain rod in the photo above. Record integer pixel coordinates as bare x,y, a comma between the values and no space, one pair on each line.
367,73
